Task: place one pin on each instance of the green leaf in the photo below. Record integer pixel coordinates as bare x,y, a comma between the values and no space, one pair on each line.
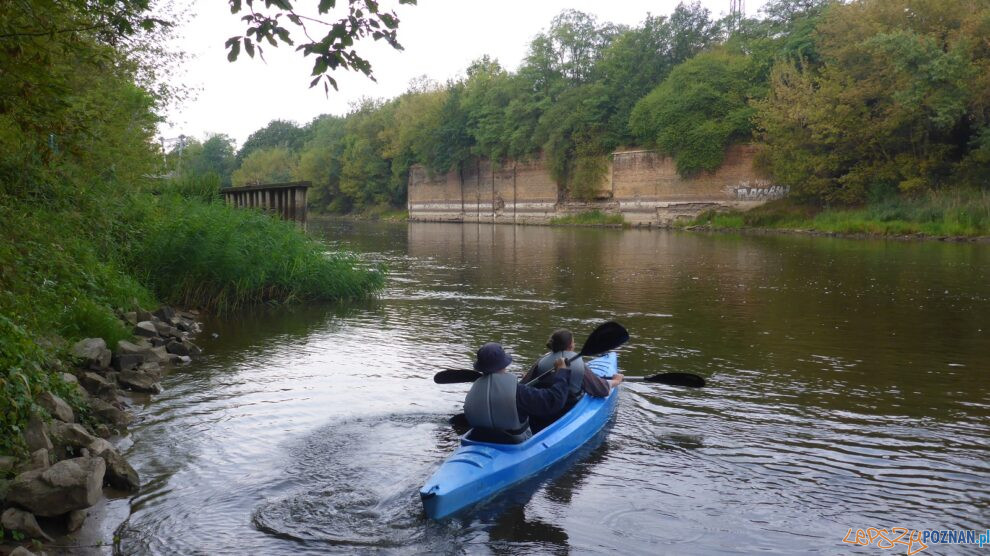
235,49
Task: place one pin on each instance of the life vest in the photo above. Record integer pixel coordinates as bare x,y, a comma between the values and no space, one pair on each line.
490,408
574,388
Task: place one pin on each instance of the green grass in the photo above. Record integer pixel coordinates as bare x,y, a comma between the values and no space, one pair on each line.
588,218
212,256
385,213
957,213
70,265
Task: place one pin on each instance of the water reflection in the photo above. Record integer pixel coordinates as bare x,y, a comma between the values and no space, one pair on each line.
848,387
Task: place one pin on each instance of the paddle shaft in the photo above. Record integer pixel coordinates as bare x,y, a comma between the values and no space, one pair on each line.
550,370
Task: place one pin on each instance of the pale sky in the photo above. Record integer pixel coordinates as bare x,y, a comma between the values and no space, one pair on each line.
441,38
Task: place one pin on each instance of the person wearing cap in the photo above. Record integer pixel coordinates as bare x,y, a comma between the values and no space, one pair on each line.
498,406
581,381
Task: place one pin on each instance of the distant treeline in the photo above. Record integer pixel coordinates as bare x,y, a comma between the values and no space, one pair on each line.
855,101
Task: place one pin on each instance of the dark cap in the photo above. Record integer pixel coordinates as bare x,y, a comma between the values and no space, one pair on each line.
491,358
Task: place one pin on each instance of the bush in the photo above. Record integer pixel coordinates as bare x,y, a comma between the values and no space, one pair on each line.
699,110
217,257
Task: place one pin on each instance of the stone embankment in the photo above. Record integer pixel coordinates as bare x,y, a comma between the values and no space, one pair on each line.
72,458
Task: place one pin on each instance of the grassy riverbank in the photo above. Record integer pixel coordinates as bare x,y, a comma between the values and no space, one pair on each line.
958,213
68,266
589,218
379,213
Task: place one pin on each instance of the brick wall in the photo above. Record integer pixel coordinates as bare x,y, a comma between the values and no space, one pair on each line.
642,185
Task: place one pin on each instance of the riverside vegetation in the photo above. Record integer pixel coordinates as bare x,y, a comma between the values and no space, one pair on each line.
91,237
866,108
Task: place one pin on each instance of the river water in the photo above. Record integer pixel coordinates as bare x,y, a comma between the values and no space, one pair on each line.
848,387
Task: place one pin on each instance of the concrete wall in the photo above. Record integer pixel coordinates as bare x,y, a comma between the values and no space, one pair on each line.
641,185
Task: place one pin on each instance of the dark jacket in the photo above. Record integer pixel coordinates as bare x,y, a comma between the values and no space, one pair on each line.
542,402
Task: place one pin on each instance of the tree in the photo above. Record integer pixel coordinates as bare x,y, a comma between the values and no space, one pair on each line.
899,102
701,108
320,163
567,52
71,109
331,51
213,156
272,165
278,133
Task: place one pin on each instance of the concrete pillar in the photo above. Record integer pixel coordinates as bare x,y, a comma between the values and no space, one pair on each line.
301,204
514,208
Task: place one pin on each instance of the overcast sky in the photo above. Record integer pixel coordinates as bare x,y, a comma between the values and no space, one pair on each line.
441,37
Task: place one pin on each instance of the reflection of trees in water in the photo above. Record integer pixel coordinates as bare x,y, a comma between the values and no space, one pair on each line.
881,313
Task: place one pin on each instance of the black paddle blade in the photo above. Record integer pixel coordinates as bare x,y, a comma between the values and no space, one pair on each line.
677,379
605,338
456,376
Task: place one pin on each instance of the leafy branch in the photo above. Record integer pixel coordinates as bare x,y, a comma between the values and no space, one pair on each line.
332,50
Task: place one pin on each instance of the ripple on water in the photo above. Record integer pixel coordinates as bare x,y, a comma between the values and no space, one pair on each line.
355,484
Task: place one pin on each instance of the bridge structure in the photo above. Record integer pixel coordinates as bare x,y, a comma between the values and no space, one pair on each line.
287,200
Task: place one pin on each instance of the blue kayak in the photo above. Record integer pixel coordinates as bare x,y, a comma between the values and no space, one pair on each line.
478,470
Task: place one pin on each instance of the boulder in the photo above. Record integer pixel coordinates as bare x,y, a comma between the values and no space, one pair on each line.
145,329
20,551
16,519
95,383
71,484
74,520
127,361
7,463
143,315
139,347
69,438
56,406
109,413
98,447
130,317
156,354
158,342
93,351
39,459
71,379
177,348
153,370
167,331
165,313
139,382
102,431
120,475
36,435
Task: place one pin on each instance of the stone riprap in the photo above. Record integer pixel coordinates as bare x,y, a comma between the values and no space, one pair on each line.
70,462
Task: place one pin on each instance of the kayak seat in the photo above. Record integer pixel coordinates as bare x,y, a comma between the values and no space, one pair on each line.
495,436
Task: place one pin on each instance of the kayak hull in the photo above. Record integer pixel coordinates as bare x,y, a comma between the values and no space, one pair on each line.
479,470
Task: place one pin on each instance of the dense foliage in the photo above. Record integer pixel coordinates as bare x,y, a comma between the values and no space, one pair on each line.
898,101
88,225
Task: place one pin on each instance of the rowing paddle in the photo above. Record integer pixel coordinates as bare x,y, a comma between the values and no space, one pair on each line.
455,376
672,379
606,337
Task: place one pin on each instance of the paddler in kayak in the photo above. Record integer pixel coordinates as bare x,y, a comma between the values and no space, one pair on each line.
581,381
498,406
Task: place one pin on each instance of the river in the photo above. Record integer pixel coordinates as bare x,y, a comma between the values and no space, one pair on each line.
848,387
